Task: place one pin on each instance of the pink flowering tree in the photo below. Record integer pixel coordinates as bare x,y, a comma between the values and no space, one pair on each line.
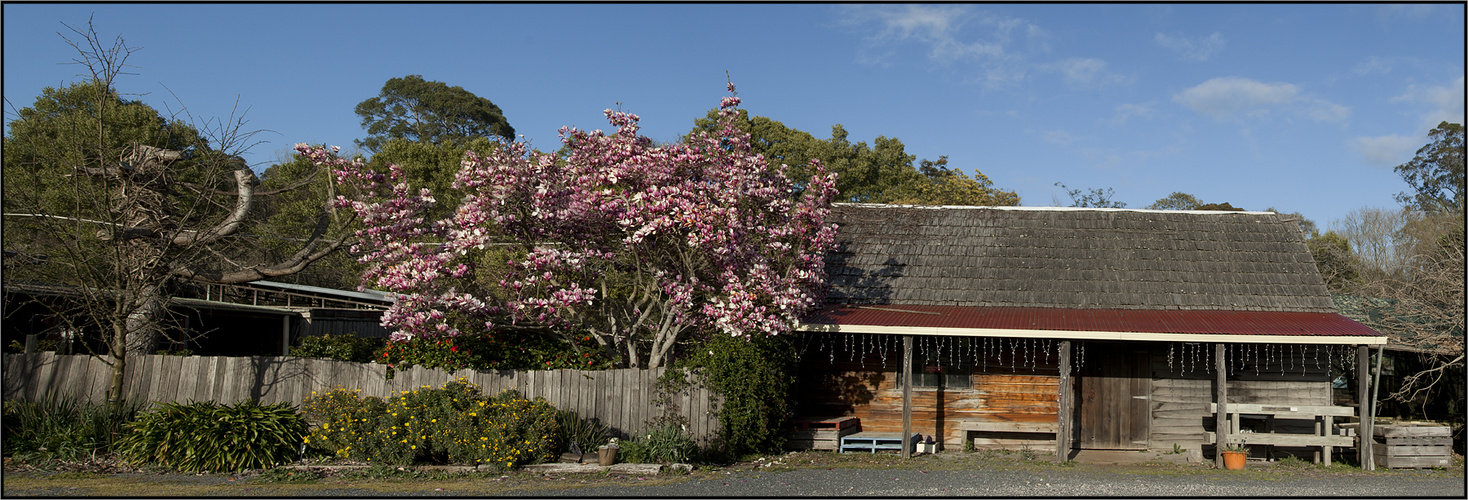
635,245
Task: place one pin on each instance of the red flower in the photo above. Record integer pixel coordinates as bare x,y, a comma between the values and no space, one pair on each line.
454,349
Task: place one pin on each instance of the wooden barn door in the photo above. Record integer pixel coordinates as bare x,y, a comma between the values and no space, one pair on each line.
1115,385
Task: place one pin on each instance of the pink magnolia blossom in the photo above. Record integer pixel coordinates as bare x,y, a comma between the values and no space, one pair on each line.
632,243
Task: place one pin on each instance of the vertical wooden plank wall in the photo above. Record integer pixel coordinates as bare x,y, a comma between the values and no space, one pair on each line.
621,399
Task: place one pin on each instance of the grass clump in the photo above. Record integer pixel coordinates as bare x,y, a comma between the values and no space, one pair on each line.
63,428
207,436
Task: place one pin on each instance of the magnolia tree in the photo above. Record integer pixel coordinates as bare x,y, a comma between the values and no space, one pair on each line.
635,245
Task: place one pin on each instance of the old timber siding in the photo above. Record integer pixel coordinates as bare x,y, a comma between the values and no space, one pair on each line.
621,399
1010,381
1183,386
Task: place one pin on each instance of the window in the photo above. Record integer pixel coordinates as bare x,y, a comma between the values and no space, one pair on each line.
931,370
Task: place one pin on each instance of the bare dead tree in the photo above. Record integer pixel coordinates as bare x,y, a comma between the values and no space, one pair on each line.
123,206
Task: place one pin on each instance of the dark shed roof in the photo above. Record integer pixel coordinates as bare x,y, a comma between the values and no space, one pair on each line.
1073,259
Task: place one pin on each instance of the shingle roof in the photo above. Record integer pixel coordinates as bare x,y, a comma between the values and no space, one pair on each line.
1075,259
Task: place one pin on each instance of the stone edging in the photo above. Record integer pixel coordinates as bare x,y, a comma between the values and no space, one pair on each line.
552,468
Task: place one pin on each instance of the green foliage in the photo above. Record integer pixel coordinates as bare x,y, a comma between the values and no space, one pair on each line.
587,433
665,442
298,203
944,186
1219,207
339,347
207,436
63,428
428,111
452,424
1436,173
880,173
1339,267
1176,201
754,377
1095,198
85,124
503,350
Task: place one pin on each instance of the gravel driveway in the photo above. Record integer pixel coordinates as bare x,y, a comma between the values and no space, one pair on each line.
796,475
1057,483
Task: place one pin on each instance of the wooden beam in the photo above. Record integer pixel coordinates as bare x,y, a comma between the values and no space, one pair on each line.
906,396
1220,423
1363,408
1062,436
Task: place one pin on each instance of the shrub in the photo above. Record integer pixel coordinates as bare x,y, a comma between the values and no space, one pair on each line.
339,347
587,433
754,376
63,428
666,442
502,350
207,436
453,424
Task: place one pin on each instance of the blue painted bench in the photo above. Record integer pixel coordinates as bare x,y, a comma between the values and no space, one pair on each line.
873,441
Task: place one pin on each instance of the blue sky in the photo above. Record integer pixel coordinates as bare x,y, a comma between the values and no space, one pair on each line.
1300,107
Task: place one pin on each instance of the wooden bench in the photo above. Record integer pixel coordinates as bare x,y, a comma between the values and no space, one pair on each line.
970,426
1323,416
873,441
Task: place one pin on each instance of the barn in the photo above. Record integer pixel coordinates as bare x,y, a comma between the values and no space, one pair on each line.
1066,329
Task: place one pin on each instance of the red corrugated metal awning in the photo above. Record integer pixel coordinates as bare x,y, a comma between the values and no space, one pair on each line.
1133,324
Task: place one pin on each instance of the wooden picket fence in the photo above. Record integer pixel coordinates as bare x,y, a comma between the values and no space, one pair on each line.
622,399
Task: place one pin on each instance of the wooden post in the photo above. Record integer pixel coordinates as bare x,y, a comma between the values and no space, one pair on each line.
285,335
1062,436
906,396
1220,423
1363,408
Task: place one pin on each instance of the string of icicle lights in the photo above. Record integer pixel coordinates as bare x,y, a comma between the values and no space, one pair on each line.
958,352
1031,354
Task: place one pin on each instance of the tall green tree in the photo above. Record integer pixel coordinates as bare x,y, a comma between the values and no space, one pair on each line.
428,111
944,186
882,172
1339,267
1219,207
1178,200
1436,173
122,206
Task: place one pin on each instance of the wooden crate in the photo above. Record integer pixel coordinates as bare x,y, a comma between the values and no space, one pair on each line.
1412,446
821,433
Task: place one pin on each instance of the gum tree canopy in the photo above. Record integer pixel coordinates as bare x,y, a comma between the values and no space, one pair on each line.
638,246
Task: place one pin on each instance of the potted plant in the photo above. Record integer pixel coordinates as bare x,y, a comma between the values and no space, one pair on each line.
1234,455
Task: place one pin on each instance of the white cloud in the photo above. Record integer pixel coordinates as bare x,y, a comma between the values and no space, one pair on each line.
937,27
1088,72
1058,137
1372,65
950,35
1444,103
1124,112
1329,112
1192,49
1386,150
1222,97
1226,97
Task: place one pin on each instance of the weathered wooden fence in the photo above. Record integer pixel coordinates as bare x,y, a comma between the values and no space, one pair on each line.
622,399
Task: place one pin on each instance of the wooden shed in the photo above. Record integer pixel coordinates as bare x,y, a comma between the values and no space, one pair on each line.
1060,329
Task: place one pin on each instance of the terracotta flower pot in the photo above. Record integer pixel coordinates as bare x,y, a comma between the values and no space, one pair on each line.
1234,460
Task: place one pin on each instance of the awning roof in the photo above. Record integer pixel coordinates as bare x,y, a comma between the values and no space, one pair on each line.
1096,324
